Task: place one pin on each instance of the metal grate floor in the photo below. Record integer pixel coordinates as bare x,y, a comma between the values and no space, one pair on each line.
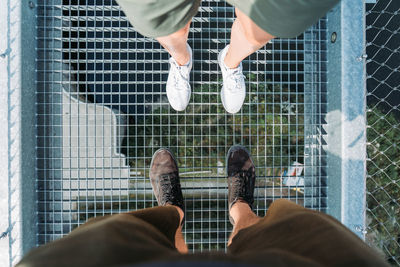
103,112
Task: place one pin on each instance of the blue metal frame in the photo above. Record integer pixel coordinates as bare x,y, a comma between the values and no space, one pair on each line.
17,106
346,123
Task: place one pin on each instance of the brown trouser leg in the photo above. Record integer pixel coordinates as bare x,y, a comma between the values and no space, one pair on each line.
288,229
124,238
288,235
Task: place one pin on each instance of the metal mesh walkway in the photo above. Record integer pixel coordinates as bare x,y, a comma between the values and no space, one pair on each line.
103,112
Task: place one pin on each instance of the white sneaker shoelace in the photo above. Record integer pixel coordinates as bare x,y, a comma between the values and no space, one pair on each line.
233,79
181,74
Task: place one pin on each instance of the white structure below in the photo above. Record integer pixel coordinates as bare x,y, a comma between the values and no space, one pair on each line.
91,164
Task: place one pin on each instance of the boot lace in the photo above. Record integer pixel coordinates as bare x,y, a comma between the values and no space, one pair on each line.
242,184
170,188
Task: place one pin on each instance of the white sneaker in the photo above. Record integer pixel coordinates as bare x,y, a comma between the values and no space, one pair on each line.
178,87
233,90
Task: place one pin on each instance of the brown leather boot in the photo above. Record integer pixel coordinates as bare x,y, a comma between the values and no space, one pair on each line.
164,178
241,177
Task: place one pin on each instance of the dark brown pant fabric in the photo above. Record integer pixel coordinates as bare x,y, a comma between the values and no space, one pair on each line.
289,235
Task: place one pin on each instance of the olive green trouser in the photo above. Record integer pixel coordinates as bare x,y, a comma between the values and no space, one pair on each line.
281,18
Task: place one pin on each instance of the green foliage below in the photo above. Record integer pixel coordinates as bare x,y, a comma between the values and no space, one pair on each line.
270,124
383,183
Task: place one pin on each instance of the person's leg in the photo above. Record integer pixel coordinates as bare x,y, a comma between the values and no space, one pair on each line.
257,23
246,38
178,87
168,22
178,240
243,217
180,243
126,238
164,178
120,239
176,44
241,181
288,228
